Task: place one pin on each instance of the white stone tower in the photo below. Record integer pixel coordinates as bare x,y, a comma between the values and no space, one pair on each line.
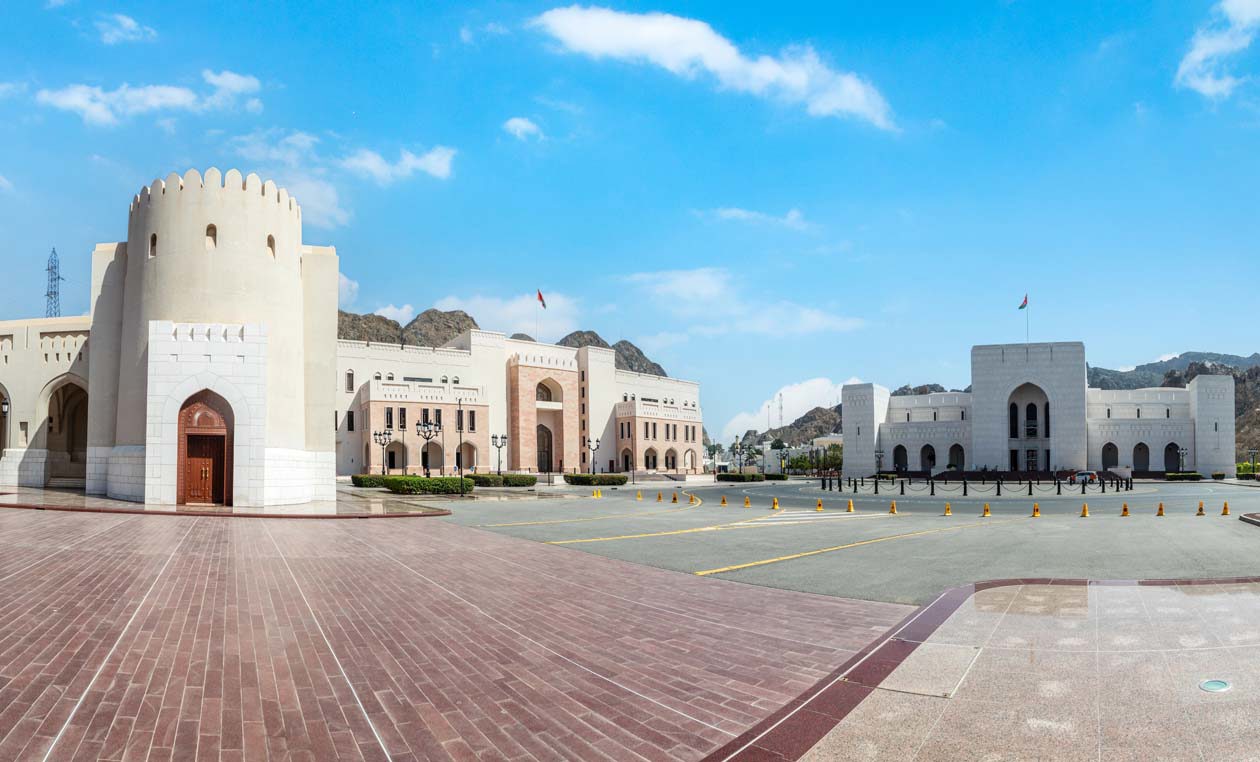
215,294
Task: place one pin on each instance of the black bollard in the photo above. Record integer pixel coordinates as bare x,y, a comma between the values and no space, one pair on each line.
903,486
1030,489
877,484
1058,487
964,487
1103,485
932,484
998,482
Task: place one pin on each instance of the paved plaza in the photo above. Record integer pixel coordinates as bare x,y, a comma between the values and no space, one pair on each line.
563,626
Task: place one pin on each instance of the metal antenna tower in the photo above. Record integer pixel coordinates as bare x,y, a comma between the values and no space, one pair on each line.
53,294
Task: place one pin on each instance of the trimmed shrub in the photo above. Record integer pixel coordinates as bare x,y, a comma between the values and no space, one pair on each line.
729,477
428,485
368,480
776,477
486,480
1218,475
1182,476
595,480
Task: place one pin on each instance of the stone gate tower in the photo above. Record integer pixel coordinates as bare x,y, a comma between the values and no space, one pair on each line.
214,336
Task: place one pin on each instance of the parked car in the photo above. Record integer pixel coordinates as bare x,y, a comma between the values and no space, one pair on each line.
1085,477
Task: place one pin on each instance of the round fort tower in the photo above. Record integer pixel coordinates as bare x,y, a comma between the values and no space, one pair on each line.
223,249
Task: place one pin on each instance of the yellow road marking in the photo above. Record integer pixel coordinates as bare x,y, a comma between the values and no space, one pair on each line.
593,518
872,541
699,502
668,533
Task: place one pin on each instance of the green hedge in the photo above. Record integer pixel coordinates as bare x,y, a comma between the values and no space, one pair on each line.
729,477
1218,475
776,477
368,480
428,485
1186,476
504,480
595,480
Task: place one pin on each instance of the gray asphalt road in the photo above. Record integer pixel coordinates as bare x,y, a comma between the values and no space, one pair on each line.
906,558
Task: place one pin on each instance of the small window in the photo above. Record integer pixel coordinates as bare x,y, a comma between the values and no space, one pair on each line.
271,246
389,418
472,420
455,380
444,379
907,416
1108,412
350,381
212,237
389,377
934,415
1139,412
964,415
437,415
402,418
153,245
1168,412
377,375
459,420
625,398
349,420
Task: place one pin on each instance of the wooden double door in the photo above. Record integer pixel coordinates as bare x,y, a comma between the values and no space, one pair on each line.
205,472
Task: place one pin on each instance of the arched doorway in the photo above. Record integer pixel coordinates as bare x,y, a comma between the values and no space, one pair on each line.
431,457
66,436
957,458
543,443
1110,456
927,458
671,460
395,457
204,471
1028,400
627,460
649,459
689,460
1172,458
466,457
1141,457
900,462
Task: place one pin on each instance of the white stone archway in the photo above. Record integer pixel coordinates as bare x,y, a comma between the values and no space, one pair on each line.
162,443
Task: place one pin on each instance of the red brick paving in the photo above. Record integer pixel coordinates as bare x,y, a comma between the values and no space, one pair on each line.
149,637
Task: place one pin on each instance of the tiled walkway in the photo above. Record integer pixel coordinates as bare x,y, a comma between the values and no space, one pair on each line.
165,637
1041,669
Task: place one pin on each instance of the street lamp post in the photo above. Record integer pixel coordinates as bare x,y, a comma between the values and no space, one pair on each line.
4,431
383,438
1252,452
459,451
592,446
879,462
1182,452
427,430
499,443
735,456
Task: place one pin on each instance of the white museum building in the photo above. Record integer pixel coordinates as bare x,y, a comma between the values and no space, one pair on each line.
208,371
1030,409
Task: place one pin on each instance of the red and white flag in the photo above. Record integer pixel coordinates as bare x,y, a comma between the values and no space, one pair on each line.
541,300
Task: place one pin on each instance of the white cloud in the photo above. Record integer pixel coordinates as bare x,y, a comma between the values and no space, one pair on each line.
522,129
713,303
798,399
289,148
116,28
689,47
347,291
1231,31
469,35
517,314
366,163
793,219
8,89
105,107
402,315
320,202
5,185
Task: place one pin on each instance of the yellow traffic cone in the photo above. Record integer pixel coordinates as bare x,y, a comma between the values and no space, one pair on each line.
1225,510
948,512
691,499
594,493
638,495
1085,511
893,507
850,508
747,502
1036,511
1160,512
658,497
1125,512
819,508
775,506
1200,513
986,513
675,498
724,501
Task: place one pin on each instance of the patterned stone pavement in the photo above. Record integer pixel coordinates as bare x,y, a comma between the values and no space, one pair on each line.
168,637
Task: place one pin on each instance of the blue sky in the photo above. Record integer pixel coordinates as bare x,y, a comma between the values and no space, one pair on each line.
762,200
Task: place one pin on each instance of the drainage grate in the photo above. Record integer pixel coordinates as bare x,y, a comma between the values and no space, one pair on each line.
1215,686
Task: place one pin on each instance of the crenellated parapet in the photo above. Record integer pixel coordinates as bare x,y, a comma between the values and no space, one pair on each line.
214,182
